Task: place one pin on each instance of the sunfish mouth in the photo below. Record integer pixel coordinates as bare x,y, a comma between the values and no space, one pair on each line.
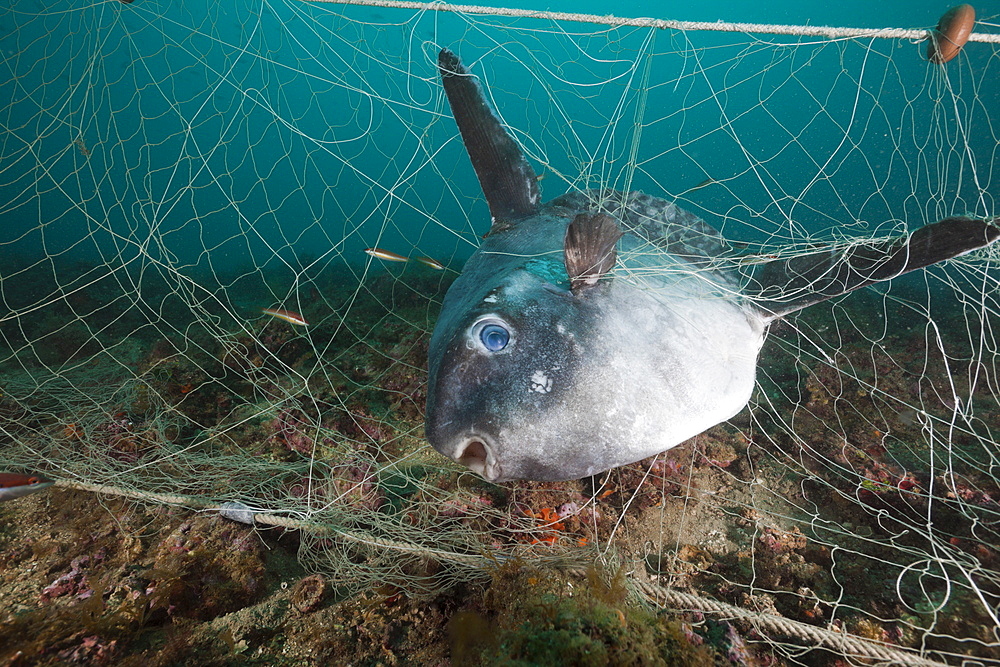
477,455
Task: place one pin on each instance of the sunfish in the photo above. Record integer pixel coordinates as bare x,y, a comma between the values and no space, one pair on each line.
604,327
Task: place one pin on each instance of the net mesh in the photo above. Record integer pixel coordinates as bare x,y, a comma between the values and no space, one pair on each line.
169,170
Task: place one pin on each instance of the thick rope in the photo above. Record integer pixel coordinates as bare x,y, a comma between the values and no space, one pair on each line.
663,24
767,624
770,625
243,514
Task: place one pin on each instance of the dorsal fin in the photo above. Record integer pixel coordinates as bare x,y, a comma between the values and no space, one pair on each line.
589,249
784,286
507,180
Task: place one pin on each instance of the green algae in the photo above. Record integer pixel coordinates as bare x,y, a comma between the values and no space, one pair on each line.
541,616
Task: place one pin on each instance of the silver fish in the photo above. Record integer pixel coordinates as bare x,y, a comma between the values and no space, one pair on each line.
15,485
605,327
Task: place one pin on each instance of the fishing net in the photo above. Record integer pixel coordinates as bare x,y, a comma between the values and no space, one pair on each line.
171,169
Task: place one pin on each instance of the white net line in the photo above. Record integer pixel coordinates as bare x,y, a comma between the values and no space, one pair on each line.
169,171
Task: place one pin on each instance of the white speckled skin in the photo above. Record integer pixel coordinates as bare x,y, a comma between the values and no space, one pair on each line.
659,351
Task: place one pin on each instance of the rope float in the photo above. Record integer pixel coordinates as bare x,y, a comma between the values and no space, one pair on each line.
767,624
955,26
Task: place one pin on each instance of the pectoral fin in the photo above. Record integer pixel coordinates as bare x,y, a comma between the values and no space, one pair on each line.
589,249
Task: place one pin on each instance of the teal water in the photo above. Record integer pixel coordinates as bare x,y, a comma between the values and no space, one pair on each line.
220,140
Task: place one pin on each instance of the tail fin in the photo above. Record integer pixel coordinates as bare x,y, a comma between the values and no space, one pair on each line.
784,286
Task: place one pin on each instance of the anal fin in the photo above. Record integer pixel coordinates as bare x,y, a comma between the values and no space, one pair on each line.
783,286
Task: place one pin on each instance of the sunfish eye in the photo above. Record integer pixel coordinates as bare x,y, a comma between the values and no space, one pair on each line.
494,337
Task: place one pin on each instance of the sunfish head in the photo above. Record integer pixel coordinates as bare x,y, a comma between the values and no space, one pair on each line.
506,361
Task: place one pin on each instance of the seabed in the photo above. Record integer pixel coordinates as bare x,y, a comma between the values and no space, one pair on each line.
331,421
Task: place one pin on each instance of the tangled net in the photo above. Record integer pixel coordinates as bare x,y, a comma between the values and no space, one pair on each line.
171,170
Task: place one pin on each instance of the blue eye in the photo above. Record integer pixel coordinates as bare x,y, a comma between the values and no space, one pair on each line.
494,337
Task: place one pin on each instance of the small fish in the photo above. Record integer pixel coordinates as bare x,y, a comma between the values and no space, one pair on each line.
703,184
14,485
433,263
287,315
387,255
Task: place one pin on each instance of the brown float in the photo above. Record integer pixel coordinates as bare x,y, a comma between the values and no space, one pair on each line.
951,34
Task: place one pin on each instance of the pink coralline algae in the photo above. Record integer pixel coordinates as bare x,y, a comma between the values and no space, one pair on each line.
290,430
92,650
355,486
738,653
667,467
464,506
74,582
352,484
568,509
963,491
692,636
783,541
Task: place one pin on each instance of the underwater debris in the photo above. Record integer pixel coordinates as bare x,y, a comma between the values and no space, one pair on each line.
82,146
308,593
